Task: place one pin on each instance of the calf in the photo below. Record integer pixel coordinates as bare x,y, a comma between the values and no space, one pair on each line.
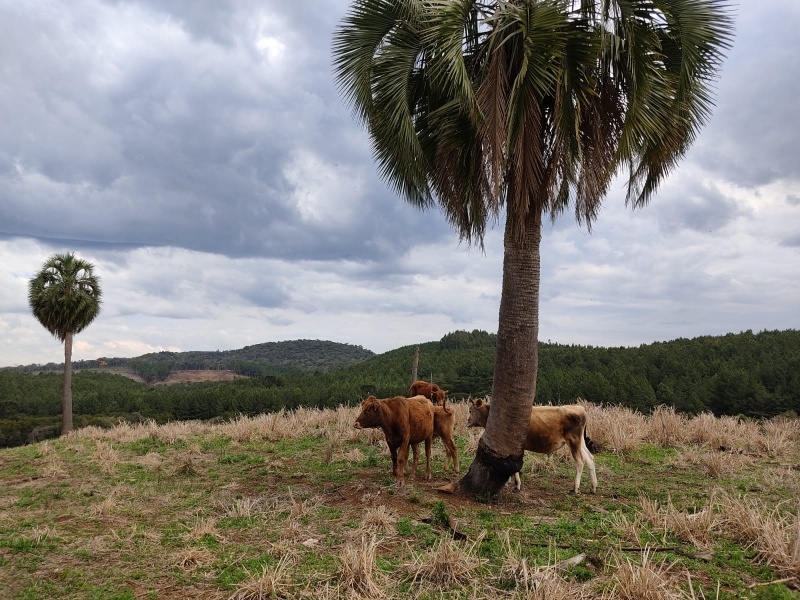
405,422
549,429
430,390
444,422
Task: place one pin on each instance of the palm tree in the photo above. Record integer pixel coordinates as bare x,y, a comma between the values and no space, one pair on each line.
65,297
521,109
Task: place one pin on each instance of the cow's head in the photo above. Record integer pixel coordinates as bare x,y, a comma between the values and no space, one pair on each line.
370,414
478,413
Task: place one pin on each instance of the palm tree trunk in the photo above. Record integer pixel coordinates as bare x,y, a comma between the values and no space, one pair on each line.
500,449
66,404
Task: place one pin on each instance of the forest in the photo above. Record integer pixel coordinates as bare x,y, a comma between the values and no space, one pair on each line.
756,375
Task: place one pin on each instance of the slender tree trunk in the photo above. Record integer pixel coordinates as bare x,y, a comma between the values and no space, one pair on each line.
500,449
66,404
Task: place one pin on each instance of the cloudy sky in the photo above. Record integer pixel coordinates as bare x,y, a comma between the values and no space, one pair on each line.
199,155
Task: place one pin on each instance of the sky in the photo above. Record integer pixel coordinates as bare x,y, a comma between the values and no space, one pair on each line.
200,156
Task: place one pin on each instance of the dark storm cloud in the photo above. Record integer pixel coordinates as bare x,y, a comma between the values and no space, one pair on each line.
197,139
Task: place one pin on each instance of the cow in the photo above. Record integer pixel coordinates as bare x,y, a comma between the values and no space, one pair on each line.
444,422
430,390
550,428
405,422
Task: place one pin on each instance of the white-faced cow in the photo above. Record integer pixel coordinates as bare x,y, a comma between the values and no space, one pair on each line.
550,428
405,422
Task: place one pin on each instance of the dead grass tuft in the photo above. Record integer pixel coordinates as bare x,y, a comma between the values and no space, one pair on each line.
666,427
354,455
778,437
203,527
617,429
193,558
445,565
774,534
629,529
54,469
713,463
694,528
106,457
357,572
379,519
273,582
244,508
108,505
716,432
645,580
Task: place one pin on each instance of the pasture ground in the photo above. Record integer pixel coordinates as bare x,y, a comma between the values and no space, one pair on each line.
302,505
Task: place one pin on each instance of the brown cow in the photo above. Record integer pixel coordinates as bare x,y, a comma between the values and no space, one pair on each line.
430,390
549,429
405,422
444,421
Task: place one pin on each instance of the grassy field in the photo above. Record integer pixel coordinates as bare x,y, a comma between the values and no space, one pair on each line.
302,505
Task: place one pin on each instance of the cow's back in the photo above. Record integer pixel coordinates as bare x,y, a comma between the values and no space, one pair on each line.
420,418
551,426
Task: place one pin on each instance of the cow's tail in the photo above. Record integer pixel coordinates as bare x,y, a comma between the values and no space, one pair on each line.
593,446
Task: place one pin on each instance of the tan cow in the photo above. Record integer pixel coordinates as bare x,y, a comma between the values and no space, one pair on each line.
444,422
550,428
405,422
430,390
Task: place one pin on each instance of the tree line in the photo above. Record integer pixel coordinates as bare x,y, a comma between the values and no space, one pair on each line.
752,374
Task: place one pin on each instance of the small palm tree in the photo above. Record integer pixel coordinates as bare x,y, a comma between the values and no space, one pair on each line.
65,297
521,109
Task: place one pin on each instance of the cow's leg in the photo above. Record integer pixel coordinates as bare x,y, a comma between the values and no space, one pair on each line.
393,452
402,461
428,458
452,452
577,455
415,450
517,482
589,459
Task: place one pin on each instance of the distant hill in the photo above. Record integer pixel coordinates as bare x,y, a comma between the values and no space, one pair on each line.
269,358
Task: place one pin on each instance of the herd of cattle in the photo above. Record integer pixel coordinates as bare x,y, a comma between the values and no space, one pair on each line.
407,422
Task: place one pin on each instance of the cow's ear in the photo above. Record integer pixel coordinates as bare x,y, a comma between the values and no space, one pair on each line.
478,402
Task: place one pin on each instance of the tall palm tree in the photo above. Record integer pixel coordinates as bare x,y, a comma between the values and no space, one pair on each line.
521,109
65,297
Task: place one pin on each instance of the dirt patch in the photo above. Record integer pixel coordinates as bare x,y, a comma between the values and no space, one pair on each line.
200,376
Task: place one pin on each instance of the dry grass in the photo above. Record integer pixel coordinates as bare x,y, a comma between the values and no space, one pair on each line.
646,579
617,429
379,519
666,427
446,565
773,533
236,510
357,572
273,582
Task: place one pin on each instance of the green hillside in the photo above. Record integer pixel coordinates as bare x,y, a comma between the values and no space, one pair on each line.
755,375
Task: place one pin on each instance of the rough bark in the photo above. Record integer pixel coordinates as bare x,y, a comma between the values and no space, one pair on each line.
66,403
500,450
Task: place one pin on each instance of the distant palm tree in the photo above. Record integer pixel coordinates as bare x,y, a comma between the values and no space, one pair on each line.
65,297
522,109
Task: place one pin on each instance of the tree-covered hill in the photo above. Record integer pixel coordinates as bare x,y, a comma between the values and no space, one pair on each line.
269,358
756,375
